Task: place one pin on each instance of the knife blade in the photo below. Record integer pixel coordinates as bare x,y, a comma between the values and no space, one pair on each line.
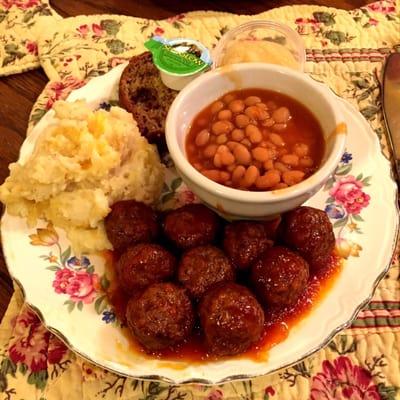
391,107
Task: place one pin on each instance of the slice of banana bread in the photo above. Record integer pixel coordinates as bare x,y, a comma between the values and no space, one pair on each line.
142,93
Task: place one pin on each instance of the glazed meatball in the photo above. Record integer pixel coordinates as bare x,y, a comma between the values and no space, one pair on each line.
130,222
191,225
202,267
161,316
143,264
279,277
309,231
231,318
245,241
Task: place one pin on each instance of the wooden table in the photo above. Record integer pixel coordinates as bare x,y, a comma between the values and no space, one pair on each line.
19,92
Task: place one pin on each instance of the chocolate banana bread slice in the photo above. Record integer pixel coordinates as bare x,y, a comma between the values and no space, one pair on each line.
142,93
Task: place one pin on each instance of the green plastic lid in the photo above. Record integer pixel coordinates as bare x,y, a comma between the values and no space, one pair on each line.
178,56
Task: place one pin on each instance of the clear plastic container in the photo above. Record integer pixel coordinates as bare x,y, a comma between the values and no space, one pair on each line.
260,41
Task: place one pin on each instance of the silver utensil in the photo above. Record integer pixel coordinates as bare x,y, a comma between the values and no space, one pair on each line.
391,107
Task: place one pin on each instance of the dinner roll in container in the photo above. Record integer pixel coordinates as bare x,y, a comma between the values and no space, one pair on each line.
264,41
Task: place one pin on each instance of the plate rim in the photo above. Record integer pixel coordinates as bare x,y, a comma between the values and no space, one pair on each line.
237,377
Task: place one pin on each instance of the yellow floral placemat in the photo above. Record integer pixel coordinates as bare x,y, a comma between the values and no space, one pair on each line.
345,50
19,33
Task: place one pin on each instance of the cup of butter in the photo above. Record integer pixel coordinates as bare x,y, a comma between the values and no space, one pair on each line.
178,60
260,41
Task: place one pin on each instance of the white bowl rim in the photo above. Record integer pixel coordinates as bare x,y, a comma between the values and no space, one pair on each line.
321,175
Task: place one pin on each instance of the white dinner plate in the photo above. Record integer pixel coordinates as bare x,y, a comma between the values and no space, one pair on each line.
67,291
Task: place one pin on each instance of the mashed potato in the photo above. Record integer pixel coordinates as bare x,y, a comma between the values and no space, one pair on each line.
81,164
243,51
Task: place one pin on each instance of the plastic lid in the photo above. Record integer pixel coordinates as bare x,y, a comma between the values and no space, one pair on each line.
178,56
260,41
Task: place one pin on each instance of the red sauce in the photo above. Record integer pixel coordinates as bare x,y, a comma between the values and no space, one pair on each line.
277,323
303,128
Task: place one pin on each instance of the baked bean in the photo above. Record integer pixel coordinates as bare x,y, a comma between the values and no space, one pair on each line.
225,114
231,168
221,139
293,177
290,159
242,155
228,98
306,161
280,185
260,154
237,174
270,145
268,122
276,139
224,176
246,142
231,145
250,176
212,174
301,149
252,112
217,160
268,180
269,164
221,127
227,158
236,106
271,105
210,151
217,106
279,127
263,106
282,151
237,134
253,133
242,120
272,153
228,183
280,166
251,100
202,138
222,148
281,115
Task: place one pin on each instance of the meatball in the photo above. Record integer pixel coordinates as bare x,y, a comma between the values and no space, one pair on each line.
161,316
202,267
245,241
279,277
309,231
143,264
231,318
191,225
130,222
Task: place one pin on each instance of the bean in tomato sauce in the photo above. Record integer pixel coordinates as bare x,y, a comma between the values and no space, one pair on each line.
255,139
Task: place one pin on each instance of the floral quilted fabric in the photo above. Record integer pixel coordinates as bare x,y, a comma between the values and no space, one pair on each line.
19,31
345,50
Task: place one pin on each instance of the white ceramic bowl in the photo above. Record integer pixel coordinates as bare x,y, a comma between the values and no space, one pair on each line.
234,203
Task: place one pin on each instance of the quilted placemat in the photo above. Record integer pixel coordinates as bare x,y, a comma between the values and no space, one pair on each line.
345,50
18,33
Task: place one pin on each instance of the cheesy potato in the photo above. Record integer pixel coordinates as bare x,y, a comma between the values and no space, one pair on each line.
81,164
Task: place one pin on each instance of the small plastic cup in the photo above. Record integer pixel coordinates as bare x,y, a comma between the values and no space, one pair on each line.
179,60
261,41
